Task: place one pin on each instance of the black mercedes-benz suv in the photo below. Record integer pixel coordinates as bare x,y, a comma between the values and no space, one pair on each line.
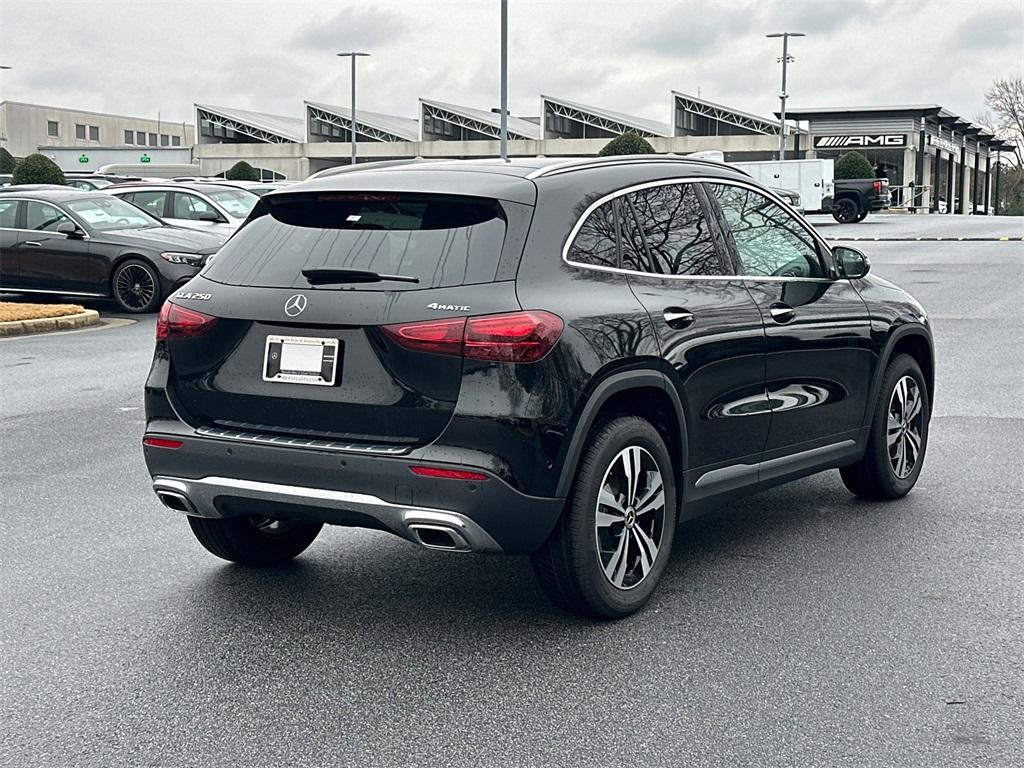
560,358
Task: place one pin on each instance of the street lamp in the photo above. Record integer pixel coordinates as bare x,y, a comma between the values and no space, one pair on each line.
504,80
352,131
786,58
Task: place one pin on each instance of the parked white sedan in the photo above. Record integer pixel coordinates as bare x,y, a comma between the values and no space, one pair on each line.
211,207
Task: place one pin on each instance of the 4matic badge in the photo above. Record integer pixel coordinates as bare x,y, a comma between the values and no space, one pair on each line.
448,307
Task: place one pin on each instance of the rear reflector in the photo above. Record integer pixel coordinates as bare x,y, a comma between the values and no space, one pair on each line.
516,337
177,322
447,474
161,442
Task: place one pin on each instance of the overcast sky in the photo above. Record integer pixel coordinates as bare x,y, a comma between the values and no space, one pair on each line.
148,56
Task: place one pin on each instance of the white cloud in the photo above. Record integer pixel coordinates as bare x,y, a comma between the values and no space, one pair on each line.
141,58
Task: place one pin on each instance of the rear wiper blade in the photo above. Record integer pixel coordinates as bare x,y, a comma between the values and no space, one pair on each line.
329,276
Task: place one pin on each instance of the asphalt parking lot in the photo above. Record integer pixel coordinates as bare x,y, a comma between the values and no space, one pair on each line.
798,627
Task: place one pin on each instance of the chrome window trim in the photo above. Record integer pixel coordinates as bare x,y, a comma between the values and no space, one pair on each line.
822,243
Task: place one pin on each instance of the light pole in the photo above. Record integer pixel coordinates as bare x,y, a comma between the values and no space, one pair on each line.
786,58
352,128
504,80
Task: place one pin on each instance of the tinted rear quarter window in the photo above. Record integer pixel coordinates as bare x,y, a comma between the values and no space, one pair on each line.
441,240
594,243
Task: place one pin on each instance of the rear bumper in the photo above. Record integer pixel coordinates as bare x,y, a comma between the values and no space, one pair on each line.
434,528
216,477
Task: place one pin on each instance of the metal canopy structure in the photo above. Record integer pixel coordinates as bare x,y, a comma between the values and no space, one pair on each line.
374,126
727,115
606,120
480,124
261,128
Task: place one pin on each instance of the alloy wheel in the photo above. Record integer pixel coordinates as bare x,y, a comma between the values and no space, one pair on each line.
904,426
135,286
630,517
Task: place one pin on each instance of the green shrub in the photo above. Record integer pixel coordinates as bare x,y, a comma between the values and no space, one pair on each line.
6,161
38,169
853,165
627,144
242,171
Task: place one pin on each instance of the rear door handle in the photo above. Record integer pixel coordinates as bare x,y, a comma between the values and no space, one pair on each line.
781,313
34,243
677,317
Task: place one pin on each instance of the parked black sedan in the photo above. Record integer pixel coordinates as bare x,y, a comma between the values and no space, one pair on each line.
88,244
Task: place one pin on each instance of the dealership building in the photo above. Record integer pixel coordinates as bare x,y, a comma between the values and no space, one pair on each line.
933,158
950,161
79,140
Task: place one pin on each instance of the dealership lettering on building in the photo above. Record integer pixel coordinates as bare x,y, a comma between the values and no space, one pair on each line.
882,140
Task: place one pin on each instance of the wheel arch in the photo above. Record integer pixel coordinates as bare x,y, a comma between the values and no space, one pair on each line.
646,393
915,340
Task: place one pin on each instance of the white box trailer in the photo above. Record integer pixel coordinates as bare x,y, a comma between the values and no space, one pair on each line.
813,179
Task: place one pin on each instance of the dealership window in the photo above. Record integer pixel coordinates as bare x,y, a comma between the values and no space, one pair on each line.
165,140
94,133
129,137
152,139
79,131
140,138
52,128
175,141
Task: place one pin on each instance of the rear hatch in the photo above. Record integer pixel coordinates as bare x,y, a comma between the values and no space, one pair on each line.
307,297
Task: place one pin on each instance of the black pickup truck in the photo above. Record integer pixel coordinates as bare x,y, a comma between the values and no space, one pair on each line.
856,198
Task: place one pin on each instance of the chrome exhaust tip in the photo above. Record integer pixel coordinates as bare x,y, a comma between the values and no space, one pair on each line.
440,537
179,502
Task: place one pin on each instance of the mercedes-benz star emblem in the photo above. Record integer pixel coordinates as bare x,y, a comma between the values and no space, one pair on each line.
295,305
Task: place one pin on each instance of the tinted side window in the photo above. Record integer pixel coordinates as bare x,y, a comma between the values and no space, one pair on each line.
676,230
151,202
769,240
43,217
595,241
8,213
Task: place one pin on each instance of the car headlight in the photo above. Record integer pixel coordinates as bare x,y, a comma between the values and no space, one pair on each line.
192,259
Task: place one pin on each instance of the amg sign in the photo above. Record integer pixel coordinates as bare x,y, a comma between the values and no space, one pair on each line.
882,140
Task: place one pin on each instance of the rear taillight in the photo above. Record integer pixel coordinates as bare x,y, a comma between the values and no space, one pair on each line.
877,186
516,337
177,322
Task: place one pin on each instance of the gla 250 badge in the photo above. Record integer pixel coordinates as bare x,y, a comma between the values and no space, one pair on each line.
193,296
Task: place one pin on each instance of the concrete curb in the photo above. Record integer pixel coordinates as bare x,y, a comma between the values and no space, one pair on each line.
50,324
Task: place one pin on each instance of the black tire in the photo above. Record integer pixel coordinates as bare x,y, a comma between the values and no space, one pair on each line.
254,540
136,287
570,565
845,210
877,476
861,216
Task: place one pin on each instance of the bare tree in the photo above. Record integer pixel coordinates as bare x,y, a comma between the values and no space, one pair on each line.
1006,99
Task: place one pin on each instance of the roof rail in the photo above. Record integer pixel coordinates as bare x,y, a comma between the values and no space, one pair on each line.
581,163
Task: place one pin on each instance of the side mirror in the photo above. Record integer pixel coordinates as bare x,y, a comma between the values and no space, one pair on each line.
211,216
70,229
851,262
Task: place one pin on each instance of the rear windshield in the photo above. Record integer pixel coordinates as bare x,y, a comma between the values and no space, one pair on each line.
441,240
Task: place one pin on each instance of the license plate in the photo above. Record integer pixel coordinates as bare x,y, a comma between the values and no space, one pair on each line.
301,360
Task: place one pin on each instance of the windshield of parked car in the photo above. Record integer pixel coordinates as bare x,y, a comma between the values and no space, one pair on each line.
236,202
103,213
